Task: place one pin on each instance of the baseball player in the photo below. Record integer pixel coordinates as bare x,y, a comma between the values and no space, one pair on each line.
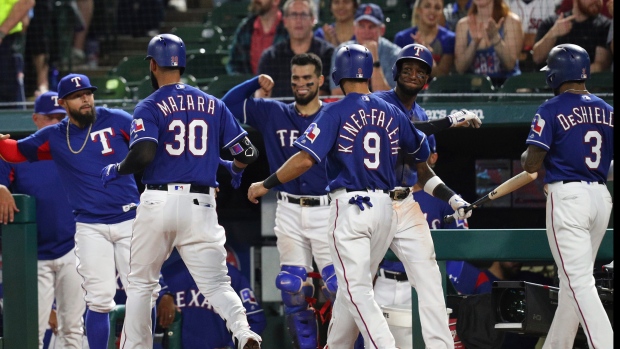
572,134
80,146
202,327
412,243
176,136
302,210
56,268
359,137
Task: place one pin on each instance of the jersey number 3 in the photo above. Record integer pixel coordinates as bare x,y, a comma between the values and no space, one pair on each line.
596,138
196,140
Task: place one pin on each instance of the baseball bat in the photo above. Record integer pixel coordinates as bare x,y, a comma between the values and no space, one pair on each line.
507,187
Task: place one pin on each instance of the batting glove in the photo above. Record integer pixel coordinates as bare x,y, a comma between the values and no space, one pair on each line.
236,177
459,205
464,118
360,201
109,173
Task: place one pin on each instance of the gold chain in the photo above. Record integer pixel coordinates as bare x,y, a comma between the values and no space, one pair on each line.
85,139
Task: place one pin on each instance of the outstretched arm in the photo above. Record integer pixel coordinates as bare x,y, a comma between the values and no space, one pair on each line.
9,151
532,158
434,186
462,118
294,167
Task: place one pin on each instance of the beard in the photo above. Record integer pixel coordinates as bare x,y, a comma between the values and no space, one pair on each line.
591,10
84,118
304,100
408,90
259,9
154,82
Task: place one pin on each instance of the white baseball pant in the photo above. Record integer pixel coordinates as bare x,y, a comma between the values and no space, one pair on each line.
101,250
358,241
300,233
58,278
577,218
166,219
413,245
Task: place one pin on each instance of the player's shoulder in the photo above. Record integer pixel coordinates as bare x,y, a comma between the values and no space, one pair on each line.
112,112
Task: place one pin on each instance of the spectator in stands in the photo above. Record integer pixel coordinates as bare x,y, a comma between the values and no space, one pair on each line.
488,41
584,26
610,35
38,36
86,8
202,327
140,17
369,29
531,13
11,61
427,31
263,28
453,12
342,29
299,18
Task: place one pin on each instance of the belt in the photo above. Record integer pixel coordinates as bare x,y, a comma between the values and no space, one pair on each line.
400,194
368,190
393,275
585,182
194,188
307,201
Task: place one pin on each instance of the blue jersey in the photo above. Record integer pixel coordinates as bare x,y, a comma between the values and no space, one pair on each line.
55,223
360,137
280,124
190,127
577,131
203,327
406,173
80,173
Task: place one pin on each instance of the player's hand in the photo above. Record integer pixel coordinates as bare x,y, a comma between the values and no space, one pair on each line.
459,205
7,205
53,322
266,83
236,177
255,191
166,310
109,173
4,136
464,118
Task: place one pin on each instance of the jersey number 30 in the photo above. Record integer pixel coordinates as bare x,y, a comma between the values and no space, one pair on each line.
196,130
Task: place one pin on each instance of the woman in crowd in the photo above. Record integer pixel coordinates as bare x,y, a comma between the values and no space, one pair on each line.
341,30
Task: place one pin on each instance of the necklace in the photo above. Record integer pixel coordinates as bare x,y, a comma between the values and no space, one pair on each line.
572,89
85,139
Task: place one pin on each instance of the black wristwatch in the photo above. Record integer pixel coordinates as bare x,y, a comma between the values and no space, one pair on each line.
376,64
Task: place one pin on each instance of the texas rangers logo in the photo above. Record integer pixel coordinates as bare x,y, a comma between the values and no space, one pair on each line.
247,296
312,132
174,61
137,125
76,80
368,10
55,99
417,50
538,125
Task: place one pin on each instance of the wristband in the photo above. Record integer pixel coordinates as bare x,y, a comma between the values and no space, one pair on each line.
376,64
431,184
271,181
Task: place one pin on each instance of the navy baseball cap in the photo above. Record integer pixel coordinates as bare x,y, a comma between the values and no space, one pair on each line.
73,83
370,12
47,104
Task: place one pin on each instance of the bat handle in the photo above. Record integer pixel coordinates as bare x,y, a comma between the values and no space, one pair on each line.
449,219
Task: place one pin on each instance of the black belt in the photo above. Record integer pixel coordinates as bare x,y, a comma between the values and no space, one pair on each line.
193,188
393,275
302,201
589,182
400,194
369,190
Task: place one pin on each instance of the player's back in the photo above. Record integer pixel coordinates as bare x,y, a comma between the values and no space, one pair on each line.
365,134
190,127
583,137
